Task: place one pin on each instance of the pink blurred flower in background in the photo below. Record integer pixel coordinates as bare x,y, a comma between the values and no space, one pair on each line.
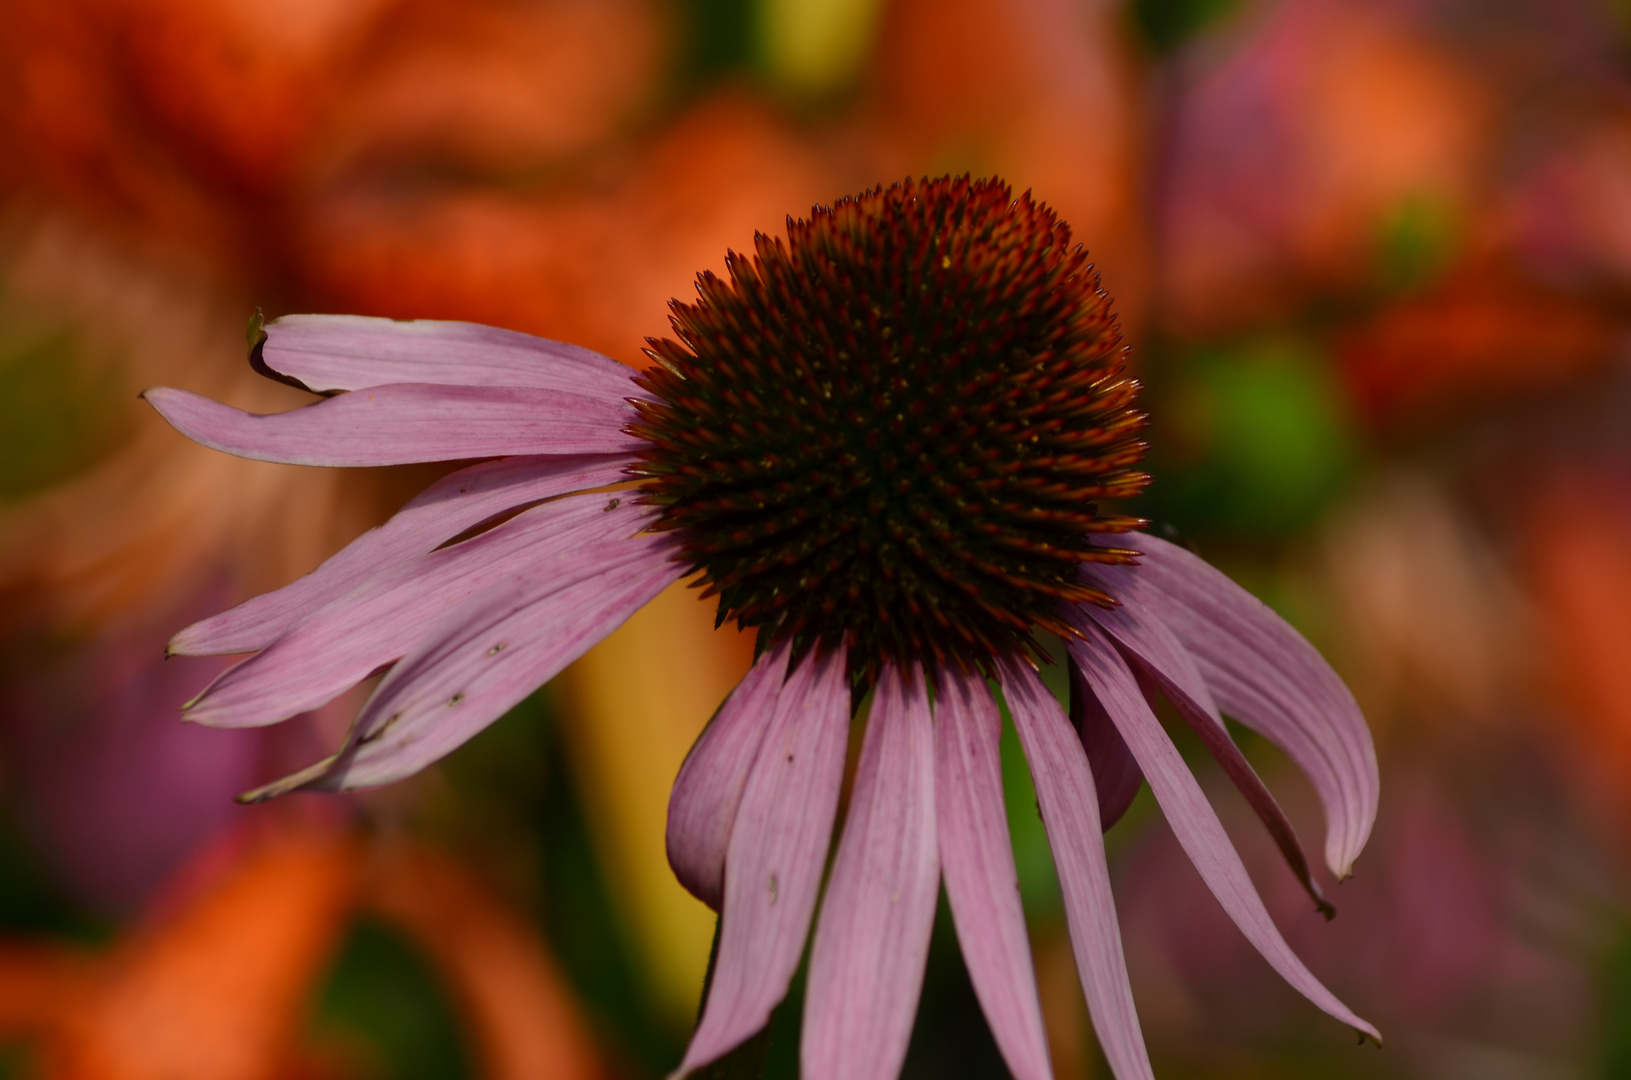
113,790
878,444
1465,932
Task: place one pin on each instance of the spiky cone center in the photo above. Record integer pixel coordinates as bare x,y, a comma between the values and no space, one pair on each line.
886,434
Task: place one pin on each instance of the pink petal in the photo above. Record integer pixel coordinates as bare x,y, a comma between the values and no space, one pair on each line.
872,940
478,664
777,851
702,805
1116,776
456,502
382,619
1070,812
1192,819
325,353
406,422
1265,675
978,863
1159,656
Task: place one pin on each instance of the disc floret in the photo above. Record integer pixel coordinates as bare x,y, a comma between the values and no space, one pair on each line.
886,433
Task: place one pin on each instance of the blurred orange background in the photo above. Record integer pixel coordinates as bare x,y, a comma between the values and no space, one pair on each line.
1374,258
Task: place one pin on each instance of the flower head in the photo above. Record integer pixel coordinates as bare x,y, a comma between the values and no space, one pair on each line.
885,436
879,443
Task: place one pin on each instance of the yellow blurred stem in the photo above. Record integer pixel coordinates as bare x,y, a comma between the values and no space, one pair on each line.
816,47
634,704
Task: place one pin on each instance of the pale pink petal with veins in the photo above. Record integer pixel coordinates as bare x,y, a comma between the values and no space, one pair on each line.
872,940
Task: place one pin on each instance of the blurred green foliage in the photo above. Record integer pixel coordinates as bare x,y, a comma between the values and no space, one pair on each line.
1167,24
719,39
19,1061
1416,243
1254,439
381,992
56,416
31,904
1615,1052
1033,861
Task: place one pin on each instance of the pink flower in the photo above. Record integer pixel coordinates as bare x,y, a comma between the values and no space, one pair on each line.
878,443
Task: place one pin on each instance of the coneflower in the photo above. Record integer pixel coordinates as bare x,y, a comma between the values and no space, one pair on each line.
881,444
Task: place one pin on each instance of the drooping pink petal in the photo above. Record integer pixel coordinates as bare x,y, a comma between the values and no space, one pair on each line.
702,805
1116,776
978,865
1070,813
325,353
479,663
1193,820
383,618
1159,657
872,939
456,502
1264,674
406,422
776,855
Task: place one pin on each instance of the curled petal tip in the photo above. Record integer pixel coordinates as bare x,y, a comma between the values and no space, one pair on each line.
1321,904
